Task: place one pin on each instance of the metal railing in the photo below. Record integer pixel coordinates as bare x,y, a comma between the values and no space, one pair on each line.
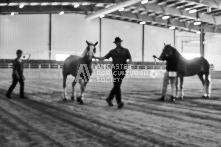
60,66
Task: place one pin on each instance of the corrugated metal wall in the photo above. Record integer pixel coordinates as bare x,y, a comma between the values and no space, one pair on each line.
70,32
26,32
213,49
154,38
130,33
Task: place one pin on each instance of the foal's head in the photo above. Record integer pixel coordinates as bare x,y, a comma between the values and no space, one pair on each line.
90,50
167,52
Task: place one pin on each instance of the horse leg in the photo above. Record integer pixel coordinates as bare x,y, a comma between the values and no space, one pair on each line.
80,98
207,85
173,85
203,82
73,90
64,86
181,88
176,87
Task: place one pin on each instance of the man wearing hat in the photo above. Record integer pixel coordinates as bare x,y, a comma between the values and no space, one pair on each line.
119,56
17,75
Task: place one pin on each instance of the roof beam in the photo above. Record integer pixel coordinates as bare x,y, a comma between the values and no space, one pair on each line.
210,3
159,21
51,1
112,9
43,9
180,13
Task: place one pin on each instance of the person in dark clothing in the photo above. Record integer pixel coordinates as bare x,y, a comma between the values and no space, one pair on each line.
170,74
17,75
119,56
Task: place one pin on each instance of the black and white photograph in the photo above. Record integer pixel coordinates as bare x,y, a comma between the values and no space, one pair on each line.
110,73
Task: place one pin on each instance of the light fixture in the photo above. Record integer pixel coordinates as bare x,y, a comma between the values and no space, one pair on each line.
121,9
12,4
65,4
187,9
144,2
34,4
12,13
101,16
76,5
172,27
21,5
55,3
196,23
3,4
61,13
45,4
166,17
192,11
198,32
142,22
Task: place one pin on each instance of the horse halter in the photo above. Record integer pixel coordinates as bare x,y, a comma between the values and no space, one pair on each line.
91,49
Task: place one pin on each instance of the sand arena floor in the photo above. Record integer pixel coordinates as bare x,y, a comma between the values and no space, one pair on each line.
44,120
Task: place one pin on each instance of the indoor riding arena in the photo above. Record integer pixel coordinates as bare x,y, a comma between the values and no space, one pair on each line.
42,41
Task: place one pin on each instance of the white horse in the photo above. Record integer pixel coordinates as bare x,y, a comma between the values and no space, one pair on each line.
80,68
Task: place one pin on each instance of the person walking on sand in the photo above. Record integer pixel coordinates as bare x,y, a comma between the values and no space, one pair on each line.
17,76
120,57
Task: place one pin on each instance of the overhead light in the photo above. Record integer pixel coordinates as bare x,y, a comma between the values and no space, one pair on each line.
3,4
142,22
65,3
34,4
21,5
165,17
172,27
45,4
196,23
12,13
198,32
121,9
192,11
85,4
55,3
144,1
13,4
187,9
76,5
101,16
61,13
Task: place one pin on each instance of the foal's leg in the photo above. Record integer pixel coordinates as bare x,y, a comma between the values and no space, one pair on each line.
73,90
177,87
207,85
173,88
80,98
203,82
64,87
181,88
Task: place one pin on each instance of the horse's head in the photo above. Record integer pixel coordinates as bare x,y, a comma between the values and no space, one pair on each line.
167,52
90,50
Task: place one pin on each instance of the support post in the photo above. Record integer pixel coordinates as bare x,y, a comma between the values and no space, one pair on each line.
100,35
143,27
202,39
49,37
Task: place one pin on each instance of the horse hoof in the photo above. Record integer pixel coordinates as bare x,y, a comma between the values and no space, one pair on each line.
79,100
204,96
72,98
172,99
